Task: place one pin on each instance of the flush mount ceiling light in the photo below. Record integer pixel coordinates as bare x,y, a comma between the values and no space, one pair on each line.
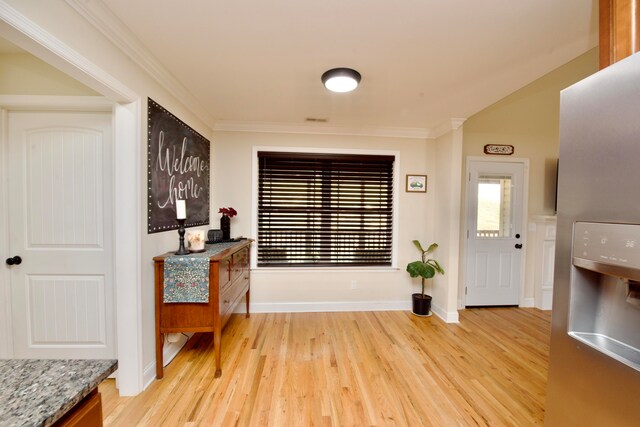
341,79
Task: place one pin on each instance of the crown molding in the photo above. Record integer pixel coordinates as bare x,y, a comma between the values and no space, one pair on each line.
105,21
447,126
266,127
36,39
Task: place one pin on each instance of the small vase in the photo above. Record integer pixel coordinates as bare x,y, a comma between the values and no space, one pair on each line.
225,226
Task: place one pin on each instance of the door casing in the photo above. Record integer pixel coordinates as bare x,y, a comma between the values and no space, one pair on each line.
465,226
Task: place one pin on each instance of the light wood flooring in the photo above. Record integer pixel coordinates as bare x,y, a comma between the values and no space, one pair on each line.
353,369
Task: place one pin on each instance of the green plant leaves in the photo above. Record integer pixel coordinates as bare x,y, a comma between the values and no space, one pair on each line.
421,269
436,265
418,245
424,268
431,247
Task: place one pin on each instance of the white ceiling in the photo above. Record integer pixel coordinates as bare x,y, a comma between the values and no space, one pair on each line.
422,62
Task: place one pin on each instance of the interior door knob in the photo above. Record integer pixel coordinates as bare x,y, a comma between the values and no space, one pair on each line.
518,245
16,260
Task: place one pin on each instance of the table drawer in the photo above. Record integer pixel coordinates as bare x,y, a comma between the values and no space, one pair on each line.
224,272
230,295
239,263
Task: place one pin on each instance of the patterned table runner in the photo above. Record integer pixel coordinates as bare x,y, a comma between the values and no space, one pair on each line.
186,277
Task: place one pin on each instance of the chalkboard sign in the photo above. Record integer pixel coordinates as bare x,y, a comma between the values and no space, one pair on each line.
178,168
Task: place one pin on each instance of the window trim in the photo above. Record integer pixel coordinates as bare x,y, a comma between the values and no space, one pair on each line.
254,204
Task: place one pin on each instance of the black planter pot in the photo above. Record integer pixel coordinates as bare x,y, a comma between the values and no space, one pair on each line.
421,306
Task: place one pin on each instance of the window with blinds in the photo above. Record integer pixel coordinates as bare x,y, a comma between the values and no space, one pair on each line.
324,210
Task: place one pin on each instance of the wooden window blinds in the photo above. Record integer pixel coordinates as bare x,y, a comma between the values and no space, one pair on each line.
324,210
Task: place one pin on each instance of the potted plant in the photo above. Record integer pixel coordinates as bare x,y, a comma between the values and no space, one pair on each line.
425,268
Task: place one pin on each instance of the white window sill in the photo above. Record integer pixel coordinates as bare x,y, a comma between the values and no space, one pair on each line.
279,270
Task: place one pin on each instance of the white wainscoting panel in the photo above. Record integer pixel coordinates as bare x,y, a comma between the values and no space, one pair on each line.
543,244
65,171
66,311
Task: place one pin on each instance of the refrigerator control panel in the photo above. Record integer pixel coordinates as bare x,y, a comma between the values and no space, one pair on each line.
617,244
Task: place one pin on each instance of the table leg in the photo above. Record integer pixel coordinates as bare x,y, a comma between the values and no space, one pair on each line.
246,297
217,353
159,361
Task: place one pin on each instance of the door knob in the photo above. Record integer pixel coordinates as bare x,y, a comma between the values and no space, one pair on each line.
518,245
16,260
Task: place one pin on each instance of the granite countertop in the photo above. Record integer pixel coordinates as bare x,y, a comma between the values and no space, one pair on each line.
36,392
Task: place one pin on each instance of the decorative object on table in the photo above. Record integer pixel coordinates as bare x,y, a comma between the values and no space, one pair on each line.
214,236
416,183
425,268
195,238
177,168
225,222
499,149
181,216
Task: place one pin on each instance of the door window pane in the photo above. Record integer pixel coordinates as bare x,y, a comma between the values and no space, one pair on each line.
494,206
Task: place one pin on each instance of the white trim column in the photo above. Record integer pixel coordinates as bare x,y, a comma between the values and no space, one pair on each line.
127,229
6,334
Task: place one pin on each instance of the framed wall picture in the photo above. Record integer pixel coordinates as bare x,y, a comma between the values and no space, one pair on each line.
416,183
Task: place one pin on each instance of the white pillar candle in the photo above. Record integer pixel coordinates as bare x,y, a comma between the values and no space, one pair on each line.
181,209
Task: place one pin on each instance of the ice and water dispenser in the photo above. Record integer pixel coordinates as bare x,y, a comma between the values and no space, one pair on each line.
605,289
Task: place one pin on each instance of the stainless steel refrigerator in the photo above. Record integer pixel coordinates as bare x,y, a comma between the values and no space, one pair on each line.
594,373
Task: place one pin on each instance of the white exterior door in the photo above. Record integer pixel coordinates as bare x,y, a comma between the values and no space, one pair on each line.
494,236
60,225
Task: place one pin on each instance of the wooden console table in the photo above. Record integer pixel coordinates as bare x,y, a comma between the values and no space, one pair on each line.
229,278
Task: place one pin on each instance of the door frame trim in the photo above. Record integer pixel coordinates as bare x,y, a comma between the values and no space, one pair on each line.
6,333
465,227
126,225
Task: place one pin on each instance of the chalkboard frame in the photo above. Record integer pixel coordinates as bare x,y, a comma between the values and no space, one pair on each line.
178,167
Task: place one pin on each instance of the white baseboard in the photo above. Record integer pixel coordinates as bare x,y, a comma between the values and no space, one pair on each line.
546,299
528,302
447,316
326,306
169,351
336,306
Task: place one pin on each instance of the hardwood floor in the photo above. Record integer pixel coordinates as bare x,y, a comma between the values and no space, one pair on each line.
353,369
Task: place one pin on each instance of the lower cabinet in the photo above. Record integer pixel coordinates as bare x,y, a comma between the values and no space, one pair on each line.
88,412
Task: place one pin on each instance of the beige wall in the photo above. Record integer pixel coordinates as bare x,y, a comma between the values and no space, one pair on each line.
529,120
327,289
24,74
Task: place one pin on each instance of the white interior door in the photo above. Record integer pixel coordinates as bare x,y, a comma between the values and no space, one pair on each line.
60,225
494,236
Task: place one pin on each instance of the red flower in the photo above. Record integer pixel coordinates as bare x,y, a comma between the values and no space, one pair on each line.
230,212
